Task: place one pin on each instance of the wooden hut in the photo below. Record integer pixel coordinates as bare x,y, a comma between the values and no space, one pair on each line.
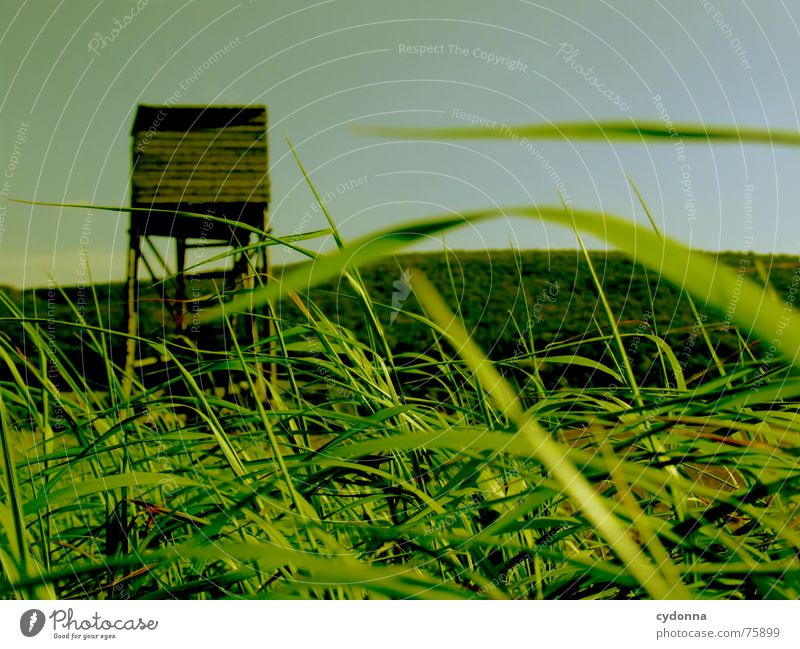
203,160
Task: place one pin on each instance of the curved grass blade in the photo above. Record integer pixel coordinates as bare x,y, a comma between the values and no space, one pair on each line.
618,130
758,310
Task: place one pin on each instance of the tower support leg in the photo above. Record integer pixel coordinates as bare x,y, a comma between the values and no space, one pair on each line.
132,308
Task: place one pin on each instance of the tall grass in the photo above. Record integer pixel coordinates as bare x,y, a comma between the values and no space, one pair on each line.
439,474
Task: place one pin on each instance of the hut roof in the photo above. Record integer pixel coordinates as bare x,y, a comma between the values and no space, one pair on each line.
193,155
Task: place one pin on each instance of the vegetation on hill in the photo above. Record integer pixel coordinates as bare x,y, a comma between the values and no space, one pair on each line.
485,426
511,302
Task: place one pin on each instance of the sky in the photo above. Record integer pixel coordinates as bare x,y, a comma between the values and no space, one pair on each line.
73,71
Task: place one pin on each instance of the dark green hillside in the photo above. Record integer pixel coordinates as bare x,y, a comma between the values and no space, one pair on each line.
541,298
508,303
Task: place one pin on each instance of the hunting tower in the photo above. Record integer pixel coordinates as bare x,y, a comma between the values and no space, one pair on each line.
204,160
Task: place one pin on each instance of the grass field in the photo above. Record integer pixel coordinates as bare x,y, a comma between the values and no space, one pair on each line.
436,470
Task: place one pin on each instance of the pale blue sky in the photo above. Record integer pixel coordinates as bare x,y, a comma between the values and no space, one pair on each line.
322,67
